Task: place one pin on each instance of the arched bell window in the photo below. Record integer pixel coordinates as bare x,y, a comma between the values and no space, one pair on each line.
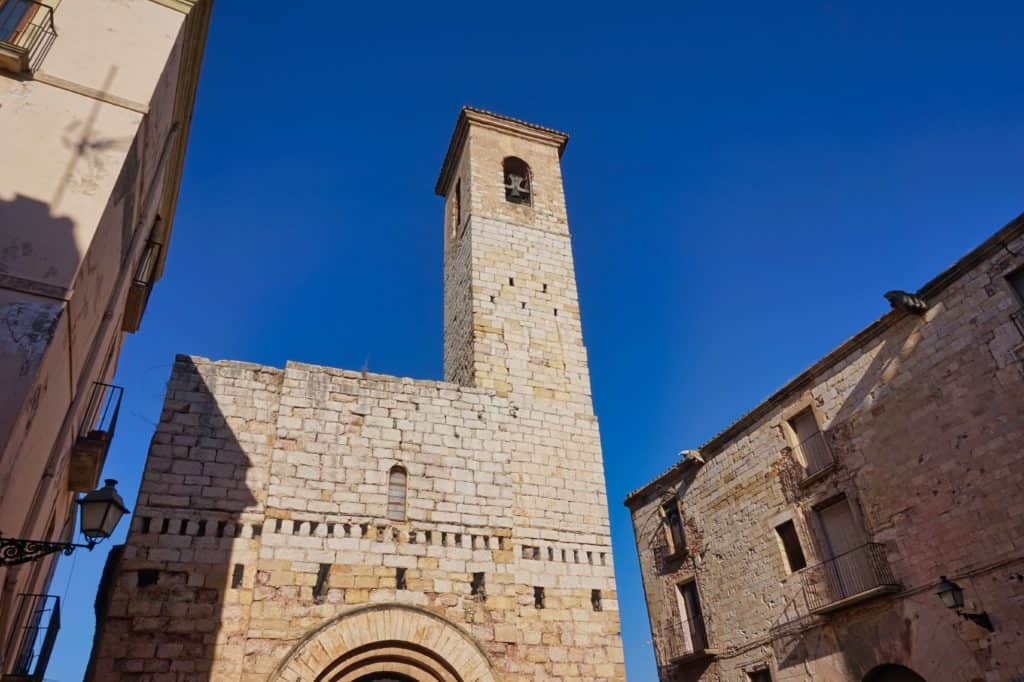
518,183
397,482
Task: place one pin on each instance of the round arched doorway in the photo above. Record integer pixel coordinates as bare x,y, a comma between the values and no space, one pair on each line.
891,672
386,643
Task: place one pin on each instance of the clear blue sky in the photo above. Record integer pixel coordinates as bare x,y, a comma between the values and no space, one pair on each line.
743,185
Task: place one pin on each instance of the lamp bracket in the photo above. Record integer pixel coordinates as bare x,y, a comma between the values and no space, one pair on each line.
14,551
980,619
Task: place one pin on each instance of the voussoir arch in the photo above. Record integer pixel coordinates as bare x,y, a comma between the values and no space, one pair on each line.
409,639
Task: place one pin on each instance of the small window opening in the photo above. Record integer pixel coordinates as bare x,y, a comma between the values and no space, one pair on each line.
477,588
538,597
524,305
1016,280
760,675
202,529
183,527
511,281
556,312
456,208
165,527
397,481
517,180
320,589
257,530
595,600
145,525
795,559
221,526
674,533
400,579
148,576
544,288
277,528
237,574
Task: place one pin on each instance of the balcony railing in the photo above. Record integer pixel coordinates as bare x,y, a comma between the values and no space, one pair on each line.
851,577
1018,319
26,34
142,285
32,643
94,436
816,455
681,642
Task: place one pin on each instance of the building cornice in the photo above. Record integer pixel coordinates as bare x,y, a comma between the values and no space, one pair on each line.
933,288
504,124
197,24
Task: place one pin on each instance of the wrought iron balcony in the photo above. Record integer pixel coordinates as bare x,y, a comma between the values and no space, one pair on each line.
26,34
142,285
29,649
681,642
94,436
860,574
816,455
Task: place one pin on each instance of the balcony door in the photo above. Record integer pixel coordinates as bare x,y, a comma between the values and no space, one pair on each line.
14,17
847,566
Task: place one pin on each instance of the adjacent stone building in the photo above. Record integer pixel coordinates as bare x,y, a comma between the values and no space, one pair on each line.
95,107
807,541
310,523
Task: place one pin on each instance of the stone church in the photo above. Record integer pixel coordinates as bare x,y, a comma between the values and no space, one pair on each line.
311,523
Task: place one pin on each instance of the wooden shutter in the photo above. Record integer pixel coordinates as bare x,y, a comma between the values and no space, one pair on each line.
396,494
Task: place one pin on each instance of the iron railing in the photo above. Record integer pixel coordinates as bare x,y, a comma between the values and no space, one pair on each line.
679,640
862,571
1018,319
815,453
31,645
101,412
26,34
142,285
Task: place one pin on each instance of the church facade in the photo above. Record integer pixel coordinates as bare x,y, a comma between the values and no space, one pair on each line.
311,523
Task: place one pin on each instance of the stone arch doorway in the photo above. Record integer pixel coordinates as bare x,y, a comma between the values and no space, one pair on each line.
890,672
386,643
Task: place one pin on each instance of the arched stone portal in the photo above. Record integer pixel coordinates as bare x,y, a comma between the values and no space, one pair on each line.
891,672
386,642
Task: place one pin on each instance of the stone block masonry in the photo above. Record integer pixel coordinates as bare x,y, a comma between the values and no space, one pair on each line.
316,523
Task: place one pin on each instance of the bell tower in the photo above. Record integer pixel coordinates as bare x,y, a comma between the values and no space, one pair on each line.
511,317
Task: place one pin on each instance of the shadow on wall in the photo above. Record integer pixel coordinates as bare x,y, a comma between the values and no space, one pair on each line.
178,593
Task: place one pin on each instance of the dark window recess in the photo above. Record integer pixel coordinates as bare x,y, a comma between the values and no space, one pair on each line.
145,525
511,281
517,180
221,526
544,288
538,597
1016,279
148,576
165,526
674,528
595,600
237,575
791,544
183,527
478,588
400,579
320,589
762,675
257,530
202,529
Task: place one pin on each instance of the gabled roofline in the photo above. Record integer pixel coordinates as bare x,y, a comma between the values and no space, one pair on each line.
934,287
488,119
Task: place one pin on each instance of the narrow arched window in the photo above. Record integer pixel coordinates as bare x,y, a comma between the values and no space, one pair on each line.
396,493
518,183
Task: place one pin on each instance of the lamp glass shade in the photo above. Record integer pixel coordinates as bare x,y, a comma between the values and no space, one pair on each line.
101,510
951,594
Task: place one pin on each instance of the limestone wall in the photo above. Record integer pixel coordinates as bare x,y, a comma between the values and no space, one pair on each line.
925,419
286,471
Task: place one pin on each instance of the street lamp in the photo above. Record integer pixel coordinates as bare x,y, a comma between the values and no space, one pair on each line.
101,511
952,595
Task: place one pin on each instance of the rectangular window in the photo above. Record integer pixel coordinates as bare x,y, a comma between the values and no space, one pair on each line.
691,620
538,597
810,445
320,589
791,546
761,675
1016,280
400,579
237,575
674,528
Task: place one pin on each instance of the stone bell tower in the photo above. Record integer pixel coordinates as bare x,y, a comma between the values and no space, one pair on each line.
511,316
